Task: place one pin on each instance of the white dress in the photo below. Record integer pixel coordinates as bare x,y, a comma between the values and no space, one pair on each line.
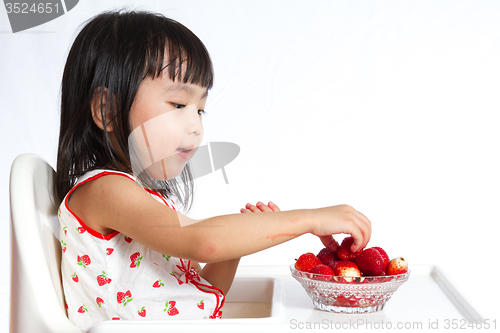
113,277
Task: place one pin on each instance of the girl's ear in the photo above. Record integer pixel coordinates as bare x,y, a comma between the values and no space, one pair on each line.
100,113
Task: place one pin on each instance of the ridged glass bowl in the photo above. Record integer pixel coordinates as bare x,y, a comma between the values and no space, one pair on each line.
349,294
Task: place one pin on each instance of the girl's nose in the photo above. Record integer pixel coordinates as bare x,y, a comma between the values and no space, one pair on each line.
195,125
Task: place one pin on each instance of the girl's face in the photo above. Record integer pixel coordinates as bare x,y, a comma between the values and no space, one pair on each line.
166,123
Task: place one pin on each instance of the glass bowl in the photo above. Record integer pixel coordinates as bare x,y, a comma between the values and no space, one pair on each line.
349,294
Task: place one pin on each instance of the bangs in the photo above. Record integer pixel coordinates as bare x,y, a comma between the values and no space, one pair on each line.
174,49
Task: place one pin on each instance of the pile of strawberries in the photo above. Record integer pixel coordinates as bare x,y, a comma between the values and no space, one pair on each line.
372,261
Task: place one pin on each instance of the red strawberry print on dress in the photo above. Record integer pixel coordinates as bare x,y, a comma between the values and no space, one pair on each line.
135,259
201,305
109,251
142,312
63,245
158,284
74,277
65,229
83,260
99,301
82,309
170,308
103,279
124,298
80,230
128,239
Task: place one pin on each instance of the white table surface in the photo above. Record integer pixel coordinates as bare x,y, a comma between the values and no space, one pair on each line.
420,303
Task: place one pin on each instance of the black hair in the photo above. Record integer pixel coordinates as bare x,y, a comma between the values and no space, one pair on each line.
113,53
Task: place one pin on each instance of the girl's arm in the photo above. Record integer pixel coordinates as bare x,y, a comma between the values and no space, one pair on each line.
115,202
221,274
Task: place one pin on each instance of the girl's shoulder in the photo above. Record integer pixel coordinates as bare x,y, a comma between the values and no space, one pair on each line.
120,176
101,195
108,201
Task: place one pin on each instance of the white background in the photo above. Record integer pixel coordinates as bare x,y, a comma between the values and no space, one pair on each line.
389,106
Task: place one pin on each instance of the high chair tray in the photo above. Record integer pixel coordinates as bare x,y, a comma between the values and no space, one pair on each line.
268,298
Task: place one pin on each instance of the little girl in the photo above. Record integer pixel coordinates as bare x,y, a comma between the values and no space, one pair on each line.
133,92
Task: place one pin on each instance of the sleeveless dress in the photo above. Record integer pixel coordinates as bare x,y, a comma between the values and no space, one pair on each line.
113,277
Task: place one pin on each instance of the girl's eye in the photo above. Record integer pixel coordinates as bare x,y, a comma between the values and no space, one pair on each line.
201,112
178,106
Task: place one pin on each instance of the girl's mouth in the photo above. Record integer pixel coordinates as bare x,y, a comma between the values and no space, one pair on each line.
186,149
183,152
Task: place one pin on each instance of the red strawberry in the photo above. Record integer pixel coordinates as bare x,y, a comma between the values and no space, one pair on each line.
82,309
103,279
201,305
344,251
99,301
347,269
383,253
371,262
128,239
109,251
326,256
74,277
397,266
80,230
65,229
306,262
83,260
142,312
158,284
124,298
63,245
347,242
170,308
135,259
326,273
334,264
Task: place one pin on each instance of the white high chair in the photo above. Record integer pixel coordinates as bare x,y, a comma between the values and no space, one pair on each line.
37,303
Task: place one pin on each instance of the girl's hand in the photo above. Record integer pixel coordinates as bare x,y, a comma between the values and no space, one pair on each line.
260,207
341,219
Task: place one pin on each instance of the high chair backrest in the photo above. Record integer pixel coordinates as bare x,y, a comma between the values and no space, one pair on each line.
37,303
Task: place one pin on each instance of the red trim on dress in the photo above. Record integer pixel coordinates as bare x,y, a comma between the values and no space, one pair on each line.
87,228
193,277
161,197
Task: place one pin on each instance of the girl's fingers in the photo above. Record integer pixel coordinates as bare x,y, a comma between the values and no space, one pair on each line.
273,207
263,207
260,207
359,240
252,208
365,233
363,218
329,242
